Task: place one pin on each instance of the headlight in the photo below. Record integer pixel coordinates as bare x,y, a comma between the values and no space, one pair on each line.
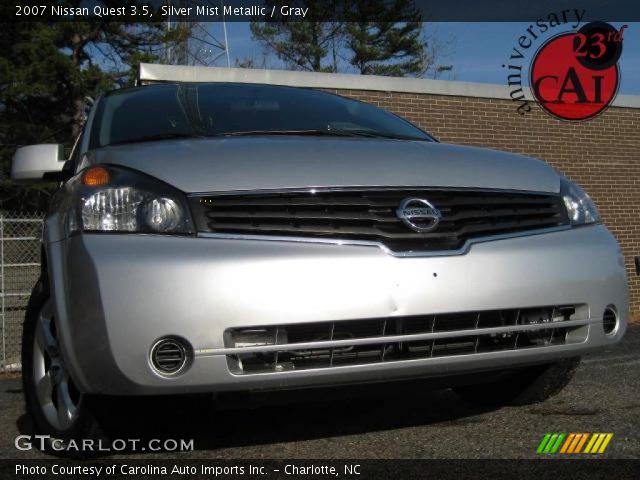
580,208
113,199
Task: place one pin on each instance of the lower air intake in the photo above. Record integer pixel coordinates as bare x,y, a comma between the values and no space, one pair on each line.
356,342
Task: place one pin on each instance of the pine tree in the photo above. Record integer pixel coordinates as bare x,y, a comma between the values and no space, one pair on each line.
380,37
47,69
307,45
386,38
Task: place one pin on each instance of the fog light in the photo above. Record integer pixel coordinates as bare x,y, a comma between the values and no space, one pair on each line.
609,321
170,355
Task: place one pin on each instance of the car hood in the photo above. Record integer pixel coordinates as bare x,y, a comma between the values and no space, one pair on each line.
257,163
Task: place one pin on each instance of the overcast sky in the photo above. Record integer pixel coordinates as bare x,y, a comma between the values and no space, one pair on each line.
480,49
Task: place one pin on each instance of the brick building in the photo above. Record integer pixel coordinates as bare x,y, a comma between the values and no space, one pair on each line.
602,155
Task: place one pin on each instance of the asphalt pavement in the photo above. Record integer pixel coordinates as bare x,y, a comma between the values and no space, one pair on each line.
395,420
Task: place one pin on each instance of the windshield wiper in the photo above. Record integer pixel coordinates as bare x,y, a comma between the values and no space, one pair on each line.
316,131
375,134
156,137
337,132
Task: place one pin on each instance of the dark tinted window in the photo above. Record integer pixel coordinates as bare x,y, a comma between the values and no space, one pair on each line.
218,109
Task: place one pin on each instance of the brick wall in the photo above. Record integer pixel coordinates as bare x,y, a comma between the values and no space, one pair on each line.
602,155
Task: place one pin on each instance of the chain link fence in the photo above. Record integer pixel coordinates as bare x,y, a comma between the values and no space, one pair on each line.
19,270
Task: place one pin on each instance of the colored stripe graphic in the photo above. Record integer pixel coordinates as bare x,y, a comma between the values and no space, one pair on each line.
593,439
598,443
550,443
573,443
582,442
606,441
556,446
567,443
543,443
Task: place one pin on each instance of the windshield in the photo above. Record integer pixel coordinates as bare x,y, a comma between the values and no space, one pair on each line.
201,110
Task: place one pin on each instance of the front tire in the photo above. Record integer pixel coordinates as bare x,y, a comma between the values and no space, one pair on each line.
523,387
57,407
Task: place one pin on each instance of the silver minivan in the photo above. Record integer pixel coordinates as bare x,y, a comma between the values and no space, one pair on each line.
213,237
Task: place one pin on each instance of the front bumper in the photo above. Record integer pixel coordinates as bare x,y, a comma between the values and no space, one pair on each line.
115,295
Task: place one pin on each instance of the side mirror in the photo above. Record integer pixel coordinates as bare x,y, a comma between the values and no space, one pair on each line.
38,162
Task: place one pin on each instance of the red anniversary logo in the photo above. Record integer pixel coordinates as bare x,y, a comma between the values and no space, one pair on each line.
575,75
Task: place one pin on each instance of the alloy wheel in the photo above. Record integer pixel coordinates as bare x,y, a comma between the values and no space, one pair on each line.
56,393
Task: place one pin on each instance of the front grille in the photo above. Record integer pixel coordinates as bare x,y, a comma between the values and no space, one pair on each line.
370,215
356,342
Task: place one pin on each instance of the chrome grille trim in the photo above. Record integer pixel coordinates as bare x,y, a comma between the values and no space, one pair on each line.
367,243
394,338
318,345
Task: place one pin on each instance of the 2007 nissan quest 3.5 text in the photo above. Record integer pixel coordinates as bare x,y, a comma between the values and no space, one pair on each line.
212,237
